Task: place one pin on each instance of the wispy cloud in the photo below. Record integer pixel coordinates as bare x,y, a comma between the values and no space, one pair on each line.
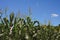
37,4
54,15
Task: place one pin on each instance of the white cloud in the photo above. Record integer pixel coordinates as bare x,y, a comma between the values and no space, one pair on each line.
54,15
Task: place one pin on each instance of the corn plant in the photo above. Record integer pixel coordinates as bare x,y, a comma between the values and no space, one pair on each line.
25,29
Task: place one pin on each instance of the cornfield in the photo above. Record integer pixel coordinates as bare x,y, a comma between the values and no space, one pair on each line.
25,29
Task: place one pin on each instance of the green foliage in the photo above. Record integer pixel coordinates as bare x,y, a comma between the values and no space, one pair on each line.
25,29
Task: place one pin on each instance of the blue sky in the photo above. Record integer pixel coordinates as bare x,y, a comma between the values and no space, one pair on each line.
41,9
